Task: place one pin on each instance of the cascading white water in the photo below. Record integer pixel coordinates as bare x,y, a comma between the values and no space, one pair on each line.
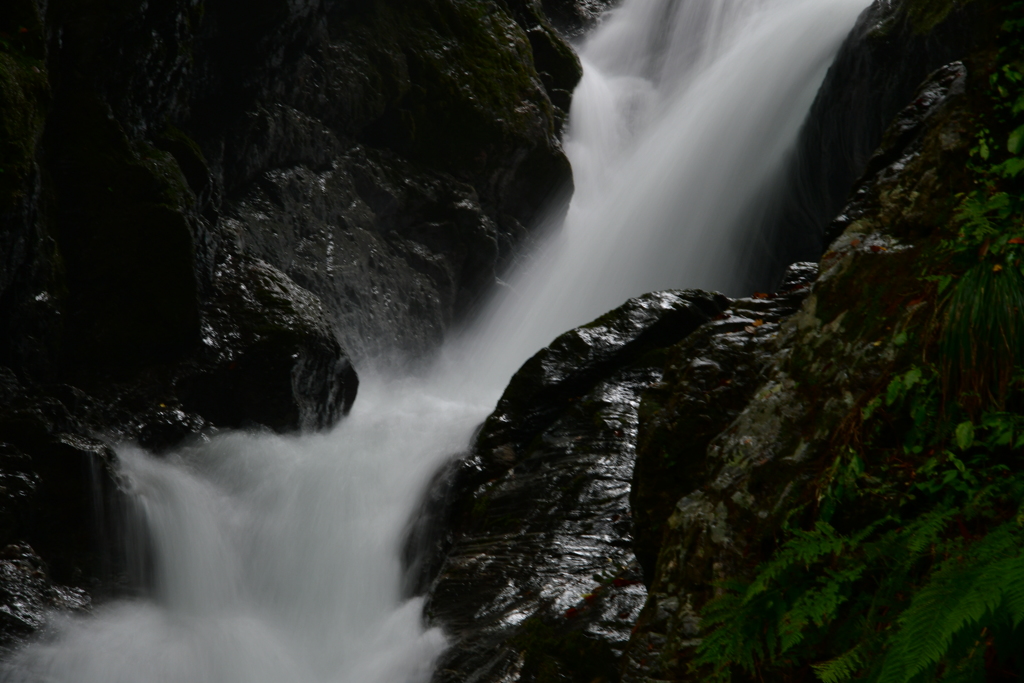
276,558
685,112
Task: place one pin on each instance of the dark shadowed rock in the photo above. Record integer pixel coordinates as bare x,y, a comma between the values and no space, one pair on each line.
891,50
206,208
28,595
275,360
59,485
581,357
529,565
863,321
709,378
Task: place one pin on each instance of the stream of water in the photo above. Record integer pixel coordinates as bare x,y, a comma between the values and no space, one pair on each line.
276,559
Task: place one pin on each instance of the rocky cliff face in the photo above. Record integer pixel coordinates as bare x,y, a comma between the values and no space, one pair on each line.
769,449
527,545
524,549
210,210
736,428
891,50
210,207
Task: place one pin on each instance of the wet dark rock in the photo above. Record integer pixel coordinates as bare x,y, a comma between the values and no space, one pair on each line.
275,360
862,322
207,210
27,594
530,569
577,359
557,65
891,50
709,378
411,254
575,17
59,485
388,157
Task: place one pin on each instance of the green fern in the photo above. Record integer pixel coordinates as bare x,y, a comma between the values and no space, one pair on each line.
817,606
932,590
844,667
965,594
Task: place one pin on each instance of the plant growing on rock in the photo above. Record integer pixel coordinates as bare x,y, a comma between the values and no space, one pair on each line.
906,563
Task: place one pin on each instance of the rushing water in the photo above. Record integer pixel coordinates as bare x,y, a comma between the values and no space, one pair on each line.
275,559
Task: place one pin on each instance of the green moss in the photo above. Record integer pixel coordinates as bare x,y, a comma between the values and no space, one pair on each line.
925,15
467,88
188,155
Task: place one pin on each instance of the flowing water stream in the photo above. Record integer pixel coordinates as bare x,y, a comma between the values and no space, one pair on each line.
276,559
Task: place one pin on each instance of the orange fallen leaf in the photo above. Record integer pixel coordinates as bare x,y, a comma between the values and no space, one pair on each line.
760,295
875,248
1016,240
854,243
996,268
758,322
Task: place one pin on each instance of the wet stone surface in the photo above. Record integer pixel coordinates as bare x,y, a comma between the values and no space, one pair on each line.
762,456
548,545
27,594
709,378
533,576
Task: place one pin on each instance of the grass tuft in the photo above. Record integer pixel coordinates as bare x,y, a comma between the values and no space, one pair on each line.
983,336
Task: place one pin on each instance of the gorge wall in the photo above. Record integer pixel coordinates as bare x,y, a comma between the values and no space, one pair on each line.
779,443
212,212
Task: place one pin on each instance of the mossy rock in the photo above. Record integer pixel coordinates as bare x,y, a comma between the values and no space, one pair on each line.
469,80
24,97
925,15
463,96
870,316
190,159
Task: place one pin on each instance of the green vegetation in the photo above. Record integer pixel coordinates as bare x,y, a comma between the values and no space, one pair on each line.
906,564
927,14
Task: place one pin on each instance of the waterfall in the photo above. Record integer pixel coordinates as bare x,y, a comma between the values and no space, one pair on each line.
276,558
686,111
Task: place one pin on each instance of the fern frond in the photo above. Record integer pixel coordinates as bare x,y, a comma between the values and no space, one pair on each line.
961,593
844,667
804,548
817,606
925,530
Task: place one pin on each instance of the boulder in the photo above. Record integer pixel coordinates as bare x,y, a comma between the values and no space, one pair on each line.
523,544
273,357
710,376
